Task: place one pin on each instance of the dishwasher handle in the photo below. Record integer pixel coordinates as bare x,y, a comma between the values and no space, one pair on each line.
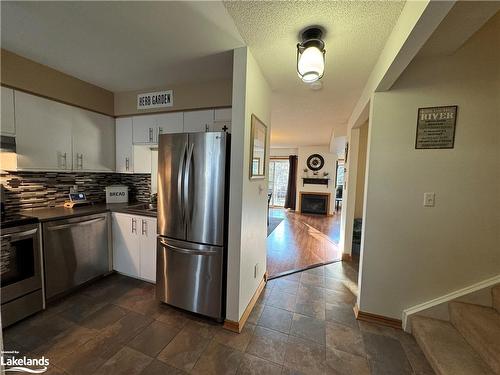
78,223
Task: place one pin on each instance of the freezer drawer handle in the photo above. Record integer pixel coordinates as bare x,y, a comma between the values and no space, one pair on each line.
79,223
191,252
13,236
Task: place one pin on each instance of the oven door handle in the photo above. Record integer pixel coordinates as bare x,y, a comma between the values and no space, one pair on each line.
78,223
20,234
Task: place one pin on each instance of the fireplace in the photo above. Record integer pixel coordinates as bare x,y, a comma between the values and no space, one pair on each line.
314,203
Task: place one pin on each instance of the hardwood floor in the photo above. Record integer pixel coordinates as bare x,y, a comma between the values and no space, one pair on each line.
301,241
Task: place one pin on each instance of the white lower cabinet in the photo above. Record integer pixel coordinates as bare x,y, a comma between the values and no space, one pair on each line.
134,246
7,112
147,269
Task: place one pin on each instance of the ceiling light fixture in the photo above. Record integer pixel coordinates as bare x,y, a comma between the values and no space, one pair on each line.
311,55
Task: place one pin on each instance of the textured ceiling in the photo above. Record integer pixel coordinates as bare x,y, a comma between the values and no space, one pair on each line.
356,34
124,45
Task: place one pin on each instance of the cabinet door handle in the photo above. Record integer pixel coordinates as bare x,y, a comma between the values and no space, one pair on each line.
127,164
134,226
151,135
144,227
206,128
64,164
79,161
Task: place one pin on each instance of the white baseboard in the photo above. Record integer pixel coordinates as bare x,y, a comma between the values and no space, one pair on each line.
447,298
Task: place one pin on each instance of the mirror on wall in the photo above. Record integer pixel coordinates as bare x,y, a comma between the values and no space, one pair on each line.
258,147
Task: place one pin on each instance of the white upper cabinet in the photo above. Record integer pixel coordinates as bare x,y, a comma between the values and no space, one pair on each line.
142,159
168,123
93,142
222,120
7,112
43,133
147,128
199,121
124,147
51,136
144,129
223,114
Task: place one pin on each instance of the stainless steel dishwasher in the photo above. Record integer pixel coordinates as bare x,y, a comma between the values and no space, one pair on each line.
76,250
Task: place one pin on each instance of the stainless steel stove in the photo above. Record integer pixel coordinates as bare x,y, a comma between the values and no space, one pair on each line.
20,267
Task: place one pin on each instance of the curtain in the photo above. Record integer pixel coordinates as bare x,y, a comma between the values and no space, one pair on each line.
291,191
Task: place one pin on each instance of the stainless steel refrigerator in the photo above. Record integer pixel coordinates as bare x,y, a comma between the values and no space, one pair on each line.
192,202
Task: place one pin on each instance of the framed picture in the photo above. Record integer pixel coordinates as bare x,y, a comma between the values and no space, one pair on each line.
258,149
436,127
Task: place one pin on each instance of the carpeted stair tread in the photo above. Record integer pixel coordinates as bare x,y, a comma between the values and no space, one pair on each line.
446,349
495,293
480,326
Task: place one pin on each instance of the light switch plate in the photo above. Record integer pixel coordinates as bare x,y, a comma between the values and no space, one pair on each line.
429,199
256,270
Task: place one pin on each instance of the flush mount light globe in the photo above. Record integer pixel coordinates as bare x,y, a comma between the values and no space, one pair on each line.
311,55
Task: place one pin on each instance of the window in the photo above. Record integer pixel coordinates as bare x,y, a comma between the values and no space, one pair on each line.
340,173
278,181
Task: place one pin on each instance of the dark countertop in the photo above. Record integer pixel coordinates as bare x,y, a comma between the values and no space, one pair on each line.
57,213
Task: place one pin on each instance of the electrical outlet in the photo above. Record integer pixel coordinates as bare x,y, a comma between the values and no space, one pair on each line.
429,199
256,270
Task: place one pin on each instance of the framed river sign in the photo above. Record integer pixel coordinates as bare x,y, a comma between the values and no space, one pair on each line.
436,127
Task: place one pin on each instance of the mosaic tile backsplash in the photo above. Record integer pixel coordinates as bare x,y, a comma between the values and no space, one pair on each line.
28,190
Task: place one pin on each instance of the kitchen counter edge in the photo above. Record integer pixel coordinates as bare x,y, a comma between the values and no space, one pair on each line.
58,213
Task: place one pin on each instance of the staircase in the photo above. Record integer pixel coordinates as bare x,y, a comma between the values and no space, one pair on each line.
468,344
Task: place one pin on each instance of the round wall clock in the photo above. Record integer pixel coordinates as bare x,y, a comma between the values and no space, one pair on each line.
315,162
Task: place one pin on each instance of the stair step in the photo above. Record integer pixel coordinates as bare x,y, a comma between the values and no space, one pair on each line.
446,349
495,293
480,326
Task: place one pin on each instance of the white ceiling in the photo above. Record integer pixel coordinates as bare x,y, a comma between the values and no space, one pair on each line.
356,34
124,45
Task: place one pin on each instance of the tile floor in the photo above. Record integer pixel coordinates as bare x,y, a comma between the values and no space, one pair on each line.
302,324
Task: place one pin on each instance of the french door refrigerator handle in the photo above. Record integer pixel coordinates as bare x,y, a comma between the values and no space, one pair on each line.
187,182
181,183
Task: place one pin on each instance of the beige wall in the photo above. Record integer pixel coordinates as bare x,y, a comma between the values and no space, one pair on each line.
283,152
360,180
188,96
27,75
329,167
248,198
410,253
